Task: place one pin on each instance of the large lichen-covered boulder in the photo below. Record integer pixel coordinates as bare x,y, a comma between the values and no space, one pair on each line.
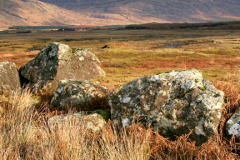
93,122
9,78
72,93
232,126
174,103
58,62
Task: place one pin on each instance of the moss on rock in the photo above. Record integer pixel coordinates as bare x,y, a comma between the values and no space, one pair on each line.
104,113
202,88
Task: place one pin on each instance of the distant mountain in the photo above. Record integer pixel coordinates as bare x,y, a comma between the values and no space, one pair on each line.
36,13
161,10
114,12
32,12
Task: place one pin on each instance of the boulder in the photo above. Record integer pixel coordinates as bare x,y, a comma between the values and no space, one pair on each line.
58,62
9,78
93,122
173,103
72,93
232,126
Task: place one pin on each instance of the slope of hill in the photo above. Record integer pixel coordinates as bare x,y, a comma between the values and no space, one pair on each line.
114,12
36,13
32,12
163,10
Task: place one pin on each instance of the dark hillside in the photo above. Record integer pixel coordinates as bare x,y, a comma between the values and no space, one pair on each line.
209,25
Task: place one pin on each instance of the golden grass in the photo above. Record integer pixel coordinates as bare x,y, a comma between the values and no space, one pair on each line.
25,134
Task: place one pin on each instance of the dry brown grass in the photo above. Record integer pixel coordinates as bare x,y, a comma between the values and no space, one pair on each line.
19,58
232,102
25,134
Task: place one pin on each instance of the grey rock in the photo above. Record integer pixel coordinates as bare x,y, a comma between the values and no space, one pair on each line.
9,78
58,62
173,103
232,126
93,122
72,93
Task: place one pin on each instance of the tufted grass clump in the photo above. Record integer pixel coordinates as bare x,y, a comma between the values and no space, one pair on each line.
25,134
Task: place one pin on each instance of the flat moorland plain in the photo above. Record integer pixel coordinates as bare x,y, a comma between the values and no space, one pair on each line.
136,53
127,55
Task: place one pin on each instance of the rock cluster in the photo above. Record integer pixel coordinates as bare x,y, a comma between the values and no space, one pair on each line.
9,78
69,69
58,62
174,103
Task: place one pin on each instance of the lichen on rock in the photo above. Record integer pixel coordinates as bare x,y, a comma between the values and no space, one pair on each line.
9,78
172,102
72,93
57,62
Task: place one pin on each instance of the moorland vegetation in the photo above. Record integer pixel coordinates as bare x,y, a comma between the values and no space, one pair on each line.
130,54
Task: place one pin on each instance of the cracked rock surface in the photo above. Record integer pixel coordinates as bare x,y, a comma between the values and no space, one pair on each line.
173,103
58,62
9,78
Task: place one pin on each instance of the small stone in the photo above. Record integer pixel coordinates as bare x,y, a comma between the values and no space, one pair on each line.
9,78
93,122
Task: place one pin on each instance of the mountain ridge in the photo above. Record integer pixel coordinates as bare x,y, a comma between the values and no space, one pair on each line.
36,13
115,12
167,10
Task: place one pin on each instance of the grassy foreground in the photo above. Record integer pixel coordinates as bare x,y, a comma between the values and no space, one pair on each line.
25,134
